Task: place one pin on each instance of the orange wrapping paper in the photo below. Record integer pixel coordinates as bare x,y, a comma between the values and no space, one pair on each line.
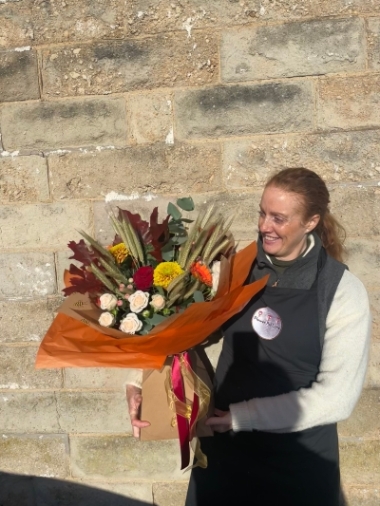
70,342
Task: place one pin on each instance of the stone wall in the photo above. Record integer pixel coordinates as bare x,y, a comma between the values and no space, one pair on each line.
140,100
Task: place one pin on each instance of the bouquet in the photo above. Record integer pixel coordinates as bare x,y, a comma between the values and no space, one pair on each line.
157,291
152,270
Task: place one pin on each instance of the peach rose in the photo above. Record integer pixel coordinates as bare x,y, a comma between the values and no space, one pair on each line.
130,324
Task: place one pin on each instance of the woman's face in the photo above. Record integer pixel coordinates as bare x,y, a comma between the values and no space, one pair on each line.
281,224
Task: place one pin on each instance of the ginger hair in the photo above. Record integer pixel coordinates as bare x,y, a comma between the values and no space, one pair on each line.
315,199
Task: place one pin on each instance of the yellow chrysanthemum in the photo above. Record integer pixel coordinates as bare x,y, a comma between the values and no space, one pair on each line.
165,272
119,252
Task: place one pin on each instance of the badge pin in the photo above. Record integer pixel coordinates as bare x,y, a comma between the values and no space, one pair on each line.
266,323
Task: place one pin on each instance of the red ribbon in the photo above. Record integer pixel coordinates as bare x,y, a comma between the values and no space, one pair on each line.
186,425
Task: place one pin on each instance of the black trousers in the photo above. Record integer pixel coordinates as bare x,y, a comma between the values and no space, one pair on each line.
258,468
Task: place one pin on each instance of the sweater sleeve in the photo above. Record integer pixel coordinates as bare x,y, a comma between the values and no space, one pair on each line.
336,390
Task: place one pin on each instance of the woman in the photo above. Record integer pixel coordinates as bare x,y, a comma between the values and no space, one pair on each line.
293,361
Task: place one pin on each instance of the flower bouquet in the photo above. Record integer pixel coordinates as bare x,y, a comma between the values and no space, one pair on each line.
158,290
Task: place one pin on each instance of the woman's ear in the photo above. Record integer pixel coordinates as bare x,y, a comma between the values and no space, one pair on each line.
312,223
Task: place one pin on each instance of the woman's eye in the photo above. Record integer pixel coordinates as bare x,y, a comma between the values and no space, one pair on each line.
278,220
261,214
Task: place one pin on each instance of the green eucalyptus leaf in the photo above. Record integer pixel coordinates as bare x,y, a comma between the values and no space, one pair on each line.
186,203
198,296
167,255
174,211
156,319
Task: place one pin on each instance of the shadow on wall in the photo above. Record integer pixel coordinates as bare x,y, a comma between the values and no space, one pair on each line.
18,490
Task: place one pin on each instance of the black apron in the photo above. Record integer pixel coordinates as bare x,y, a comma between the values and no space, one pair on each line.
263,468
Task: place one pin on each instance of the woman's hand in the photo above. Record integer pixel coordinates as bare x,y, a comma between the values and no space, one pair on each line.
134,399
222,422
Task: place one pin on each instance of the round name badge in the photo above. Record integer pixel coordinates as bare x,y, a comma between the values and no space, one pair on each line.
266,323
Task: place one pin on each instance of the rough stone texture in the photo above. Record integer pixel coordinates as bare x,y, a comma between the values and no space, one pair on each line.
103,412
360,462
373,371
17,370
40,455
169,494
118,66
29,412
18,76
349,102
125,457
33,319
336,157
113,378
23,179
293,49
177,169
373,25
239,110
59,124
29,274
49,22
363,496
364,422
364,261
359,208
148,17
150,118
21,226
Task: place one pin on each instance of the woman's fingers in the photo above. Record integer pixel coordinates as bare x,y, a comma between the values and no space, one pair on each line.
134,399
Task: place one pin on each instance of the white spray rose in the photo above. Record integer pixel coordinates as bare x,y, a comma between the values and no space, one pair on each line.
138,301
107,301
106,319
158,302
130,324
215,272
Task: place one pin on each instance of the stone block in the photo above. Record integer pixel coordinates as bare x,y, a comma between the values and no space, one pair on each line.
59,124
38,454
28,23
363,260
23,179
150,118
146,17
241,110
103,412
119,66
349,102
363,496
338,157
29,412
358,209
373,43
18,76
294,49
110,378
178,169
169,494
25,321
44,225
27,275
17,370
373,371
70,493
126,458
364,421
360,462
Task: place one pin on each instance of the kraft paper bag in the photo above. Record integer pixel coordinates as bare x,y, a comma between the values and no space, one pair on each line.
155,406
